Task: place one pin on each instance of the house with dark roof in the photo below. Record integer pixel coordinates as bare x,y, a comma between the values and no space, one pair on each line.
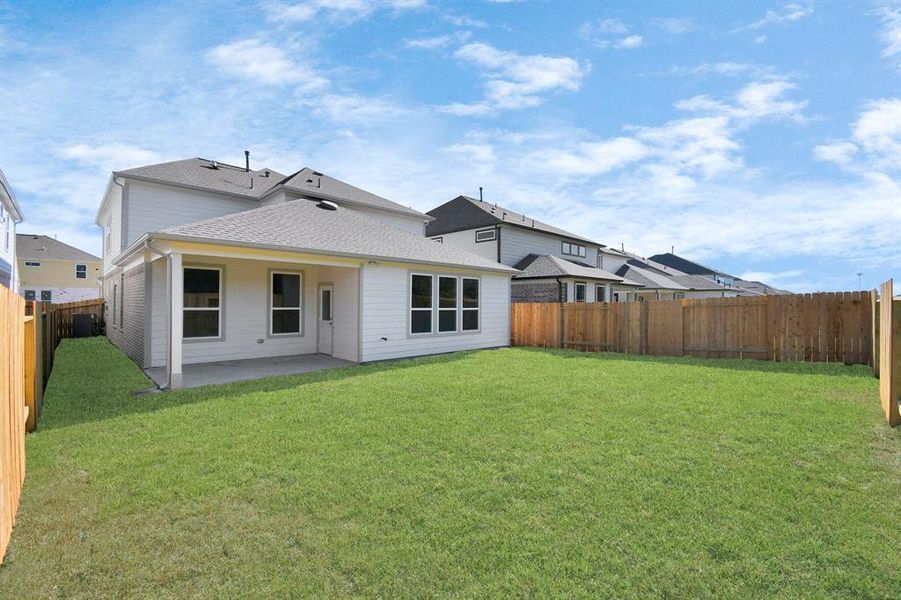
10,216
206,262
52,271
743,287
556,265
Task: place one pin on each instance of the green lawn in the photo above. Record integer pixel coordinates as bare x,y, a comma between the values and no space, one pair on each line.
513,472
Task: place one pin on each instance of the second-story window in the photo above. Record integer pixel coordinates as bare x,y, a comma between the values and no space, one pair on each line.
486,235
571,249
81,271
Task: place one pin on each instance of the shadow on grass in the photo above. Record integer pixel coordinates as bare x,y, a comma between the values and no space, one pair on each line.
763,366
80,391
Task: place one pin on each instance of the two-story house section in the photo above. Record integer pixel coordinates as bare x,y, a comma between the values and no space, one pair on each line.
556,265
208,262
52,271
10,215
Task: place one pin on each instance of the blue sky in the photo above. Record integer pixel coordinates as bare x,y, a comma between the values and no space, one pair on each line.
761,138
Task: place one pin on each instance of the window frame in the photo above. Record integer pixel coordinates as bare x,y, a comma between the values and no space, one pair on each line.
492,231
115,302
49,294
300,308
477,309
431,309
220,309
32,293
584,286
603,288
32,263
438,239
77,271
458,296
573,249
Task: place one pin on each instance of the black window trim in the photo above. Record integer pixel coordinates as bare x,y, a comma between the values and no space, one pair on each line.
492,231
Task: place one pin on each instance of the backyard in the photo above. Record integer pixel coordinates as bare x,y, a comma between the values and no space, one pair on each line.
493,473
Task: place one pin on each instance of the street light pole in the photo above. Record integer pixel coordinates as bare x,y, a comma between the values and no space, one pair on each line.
859,286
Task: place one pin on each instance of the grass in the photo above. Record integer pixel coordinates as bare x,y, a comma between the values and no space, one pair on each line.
499,473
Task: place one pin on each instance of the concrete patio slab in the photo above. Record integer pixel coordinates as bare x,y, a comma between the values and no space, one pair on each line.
242,370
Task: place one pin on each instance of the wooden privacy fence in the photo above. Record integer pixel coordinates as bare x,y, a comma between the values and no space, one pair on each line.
827,327
13,410
887,366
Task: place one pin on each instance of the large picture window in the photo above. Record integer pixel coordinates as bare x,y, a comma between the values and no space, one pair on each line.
421,305
202,302
470,304
447,304
285,303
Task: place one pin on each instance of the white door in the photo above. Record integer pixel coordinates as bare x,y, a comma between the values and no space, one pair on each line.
325,320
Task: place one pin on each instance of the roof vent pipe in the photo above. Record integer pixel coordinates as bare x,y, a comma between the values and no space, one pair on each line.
480,194
247,161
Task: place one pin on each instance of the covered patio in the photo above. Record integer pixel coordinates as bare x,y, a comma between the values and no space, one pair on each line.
195,375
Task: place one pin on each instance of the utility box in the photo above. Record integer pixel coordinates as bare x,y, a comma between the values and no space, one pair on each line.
83,325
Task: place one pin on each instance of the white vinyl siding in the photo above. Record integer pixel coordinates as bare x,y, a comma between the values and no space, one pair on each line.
386,308
466,240
517,243
112,226
245,316
151,207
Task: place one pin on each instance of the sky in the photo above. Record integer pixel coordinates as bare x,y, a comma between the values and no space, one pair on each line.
763,139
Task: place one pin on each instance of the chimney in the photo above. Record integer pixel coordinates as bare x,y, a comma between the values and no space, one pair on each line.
480,194
247,161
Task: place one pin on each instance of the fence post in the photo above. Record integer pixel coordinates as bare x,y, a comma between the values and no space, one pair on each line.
30,402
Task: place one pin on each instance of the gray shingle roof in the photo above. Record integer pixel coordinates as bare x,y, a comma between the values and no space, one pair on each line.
546,265
36,247
696,282
459,214
300,225
308,181
648,278
201,173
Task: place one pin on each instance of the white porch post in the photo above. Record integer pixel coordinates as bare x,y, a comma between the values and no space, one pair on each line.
176,285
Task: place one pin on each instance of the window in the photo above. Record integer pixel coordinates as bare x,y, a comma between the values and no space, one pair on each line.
420,303
284,305
202,310
29,295
447,304
81,271
470,304
573,249
32,263
115,303
325,304
564,292
121,300
616,296
600,293
46,296
440,240
678,295
486,235
580,288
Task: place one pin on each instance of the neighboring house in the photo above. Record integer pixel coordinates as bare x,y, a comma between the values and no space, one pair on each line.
660,282
689,267
556,265
10,215
207,262
51,271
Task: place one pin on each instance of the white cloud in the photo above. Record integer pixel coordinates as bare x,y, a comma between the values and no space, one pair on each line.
464,21
439,41
760,39
359,110
592,158
890,17
477,153
336,10
675,24
264,63
629,42
756,100
109,157
789,13
609,33
878,132
771,276
516,80
726,68
841,153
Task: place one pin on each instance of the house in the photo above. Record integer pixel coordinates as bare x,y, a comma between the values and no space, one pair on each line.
51,271
556,265
10,216
660,282
207,262
743,287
